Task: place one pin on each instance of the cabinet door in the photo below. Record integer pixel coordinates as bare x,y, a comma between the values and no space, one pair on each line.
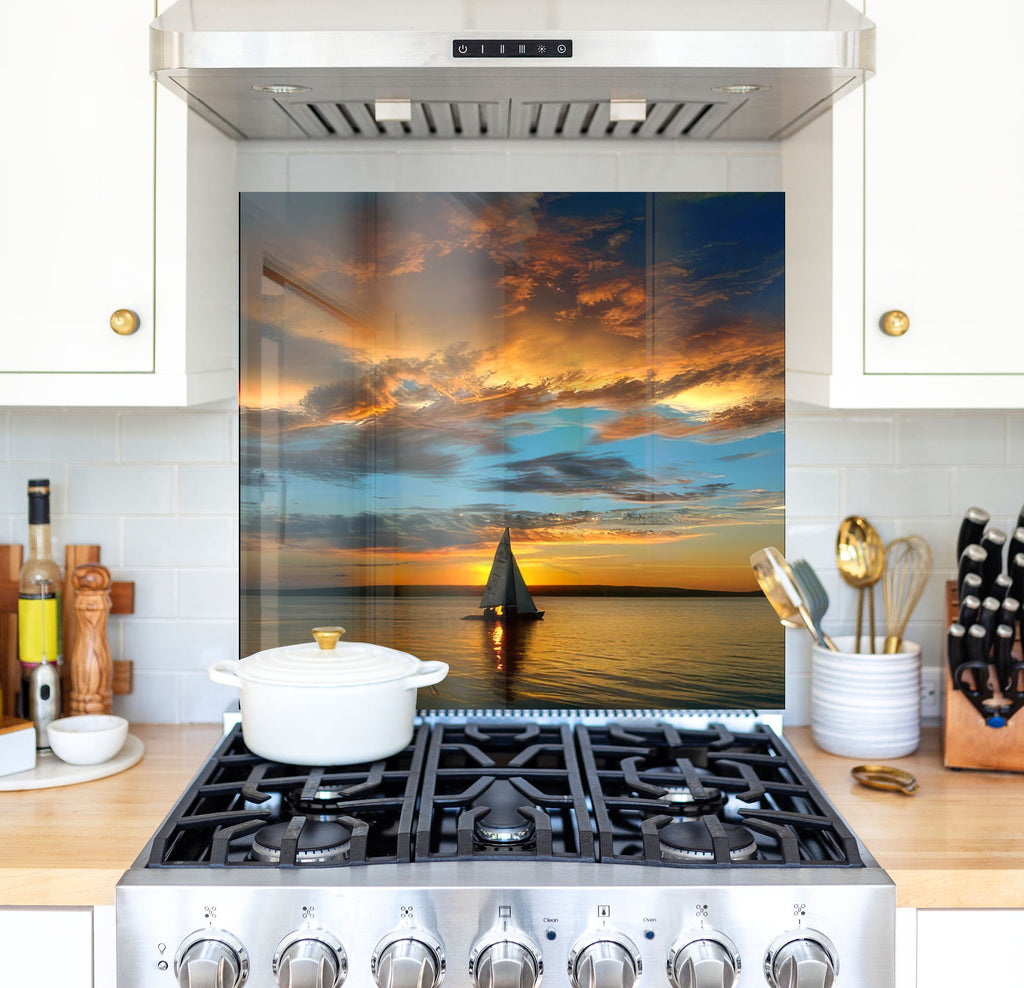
43,946
76,186
944,202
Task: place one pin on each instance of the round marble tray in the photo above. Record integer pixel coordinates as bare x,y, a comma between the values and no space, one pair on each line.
50,771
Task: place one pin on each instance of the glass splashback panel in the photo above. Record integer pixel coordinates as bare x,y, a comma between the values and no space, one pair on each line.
536,436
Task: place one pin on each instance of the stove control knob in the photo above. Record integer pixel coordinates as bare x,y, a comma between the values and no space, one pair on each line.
408,959
211,959
310,959
505,961
707,960
801,959
608,960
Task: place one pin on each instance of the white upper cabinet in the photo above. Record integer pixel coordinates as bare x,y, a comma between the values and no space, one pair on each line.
98,218
907,198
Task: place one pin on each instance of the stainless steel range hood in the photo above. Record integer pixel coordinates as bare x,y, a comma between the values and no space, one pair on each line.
497,69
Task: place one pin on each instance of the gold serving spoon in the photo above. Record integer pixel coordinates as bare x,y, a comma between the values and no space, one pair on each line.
783,592
860,559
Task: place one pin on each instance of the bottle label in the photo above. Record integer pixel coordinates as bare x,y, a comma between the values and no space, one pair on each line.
39,629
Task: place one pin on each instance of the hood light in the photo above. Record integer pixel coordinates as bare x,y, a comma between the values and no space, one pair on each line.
281,90
741,89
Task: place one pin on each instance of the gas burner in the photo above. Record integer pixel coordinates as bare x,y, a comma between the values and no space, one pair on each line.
319,843
691,841
682,801
327,803
502,824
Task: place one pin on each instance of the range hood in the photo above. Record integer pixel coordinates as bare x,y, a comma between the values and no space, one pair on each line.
498,69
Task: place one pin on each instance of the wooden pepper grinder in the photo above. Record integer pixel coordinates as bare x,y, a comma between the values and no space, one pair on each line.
92,670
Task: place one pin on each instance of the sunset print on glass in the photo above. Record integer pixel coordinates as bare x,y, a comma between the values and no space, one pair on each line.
599,374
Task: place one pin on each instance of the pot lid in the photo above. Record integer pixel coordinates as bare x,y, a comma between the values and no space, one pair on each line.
327,662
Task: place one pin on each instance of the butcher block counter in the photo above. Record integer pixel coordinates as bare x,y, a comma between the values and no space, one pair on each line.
958,843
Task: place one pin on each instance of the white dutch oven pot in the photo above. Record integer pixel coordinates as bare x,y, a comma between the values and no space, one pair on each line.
325,703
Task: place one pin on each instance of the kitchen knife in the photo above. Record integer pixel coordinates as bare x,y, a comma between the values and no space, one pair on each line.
970,587
972,560
1017,576
971,528
992,542
1009,612
956,651
970,607
1000,587
1016,545
988,618
976,665
1002,660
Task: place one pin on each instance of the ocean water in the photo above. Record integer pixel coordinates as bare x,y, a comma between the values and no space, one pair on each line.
587,652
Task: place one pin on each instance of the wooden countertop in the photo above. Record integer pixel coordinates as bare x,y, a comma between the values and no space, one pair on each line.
958,843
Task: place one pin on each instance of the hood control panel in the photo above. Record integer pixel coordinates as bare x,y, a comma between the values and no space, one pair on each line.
512,48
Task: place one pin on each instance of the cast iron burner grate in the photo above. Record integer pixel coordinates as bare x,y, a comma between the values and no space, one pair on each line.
626,792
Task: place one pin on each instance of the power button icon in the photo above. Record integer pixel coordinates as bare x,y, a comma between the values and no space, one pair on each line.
463,49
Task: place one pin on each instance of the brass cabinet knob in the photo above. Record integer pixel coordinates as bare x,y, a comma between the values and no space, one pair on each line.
895,323
124,322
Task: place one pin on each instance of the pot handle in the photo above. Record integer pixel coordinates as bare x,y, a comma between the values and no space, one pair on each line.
429,673
224,672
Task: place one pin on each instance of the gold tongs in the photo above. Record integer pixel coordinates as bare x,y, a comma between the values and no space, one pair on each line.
885,777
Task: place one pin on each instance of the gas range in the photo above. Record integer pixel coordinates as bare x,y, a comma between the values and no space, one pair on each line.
495,852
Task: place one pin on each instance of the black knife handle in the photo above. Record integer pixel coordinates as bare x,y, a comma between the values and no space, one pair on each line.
1020,518
1005,635
971,528
993,542
1001,586
956,650
970,607
972,560
988,618
1009,612
977,662
1016,545
981,690
1016,571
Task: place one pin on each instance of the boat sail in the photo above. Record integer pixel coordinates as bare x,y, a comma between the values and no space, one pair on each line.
506,595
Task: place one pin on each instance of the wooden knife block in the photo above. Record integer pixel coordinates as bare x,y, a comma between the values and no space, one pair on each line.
967,741
122,596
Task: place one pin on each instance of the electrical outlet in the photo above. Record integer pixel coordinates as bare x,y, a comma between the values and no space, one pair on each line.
931,694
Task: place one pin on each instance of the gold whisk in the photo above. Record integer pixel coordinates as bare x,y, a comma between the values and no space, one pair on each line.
908,564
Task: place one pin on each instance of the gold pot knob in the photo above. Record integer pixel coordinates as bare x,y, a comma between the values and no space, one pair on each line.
895,323
328,637
124,322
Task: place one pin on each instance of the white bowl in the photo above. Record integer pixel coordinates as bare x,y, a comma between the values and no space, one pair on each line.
88,739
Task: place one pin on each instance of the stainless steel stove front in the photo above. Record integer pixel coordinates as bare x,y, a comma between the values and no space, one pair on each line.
485,924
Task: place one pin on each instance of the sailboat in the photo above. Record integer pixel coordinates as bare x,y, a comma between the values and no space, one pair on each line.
505,596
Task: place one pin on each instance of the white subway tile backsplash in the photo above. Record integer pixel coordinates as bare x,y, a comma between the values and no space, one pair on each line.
818,440
179,542
896,493
674,172
174,437
156,593
203,701
97,529
569,171
81,437
210,593
1015,439
261,172
812,492
118,489
367,172
209,490
447,173
755,172
963,439
999,490
179,645
154,699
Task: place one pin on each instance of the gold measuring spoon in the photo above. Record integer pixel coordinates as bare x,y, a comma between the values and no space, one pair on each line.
885,777
860,559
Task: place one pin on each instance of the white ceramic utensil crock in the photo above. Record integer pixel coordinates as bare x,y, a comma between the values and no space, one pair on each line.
325,703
